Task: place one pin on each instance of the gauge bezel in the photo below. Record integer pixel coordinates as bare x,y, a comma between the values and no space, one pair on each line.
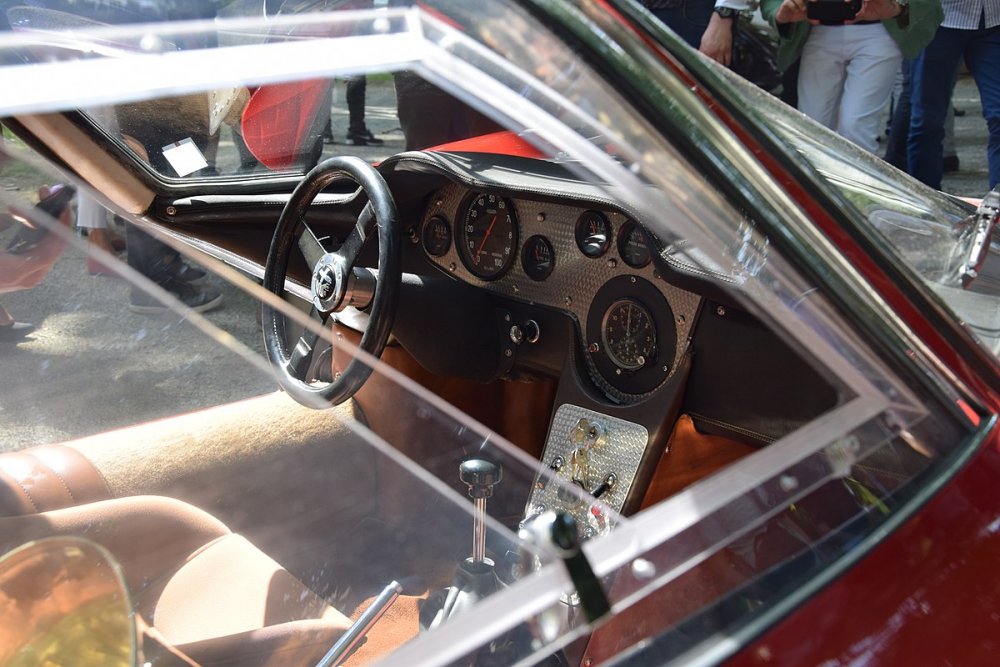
461,237
581,242
624,232
653,374
605,323
436,219
528,265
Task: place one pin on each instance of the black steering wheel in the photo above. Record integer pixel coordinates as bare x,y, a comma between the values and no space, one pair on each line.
335,283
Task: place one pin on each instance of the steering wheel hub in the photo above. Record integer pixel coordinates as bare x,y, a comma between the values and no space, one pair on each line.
329,284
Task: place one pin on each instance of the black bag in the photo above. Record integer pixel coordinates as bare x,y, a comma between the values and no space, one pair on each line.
755,55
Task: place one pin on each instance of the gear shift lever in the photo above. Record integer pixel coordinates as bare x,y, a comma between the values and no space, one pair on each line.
480,476
475,577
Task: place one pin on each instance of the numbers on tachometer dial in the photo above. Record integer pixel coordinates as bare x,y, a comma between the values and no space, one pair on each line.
487,238
629,334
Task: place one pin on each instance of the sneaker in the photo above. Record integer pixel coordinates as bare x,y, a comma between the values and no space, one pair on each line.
950,164
363,138
181,270
197,300
15,331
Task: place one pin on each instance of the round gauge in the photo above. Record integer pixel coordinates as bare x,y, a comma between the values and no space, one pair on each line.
538,258
488,236
632,245
629,334
593,233
437,236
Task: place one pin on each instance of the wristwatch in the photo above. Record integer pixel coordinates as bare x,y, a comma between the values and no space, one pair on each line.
727,12
903,17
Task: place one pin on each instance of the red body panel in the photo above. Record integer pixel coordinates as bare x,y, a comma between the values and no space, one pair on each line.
496,143
279,122
929,594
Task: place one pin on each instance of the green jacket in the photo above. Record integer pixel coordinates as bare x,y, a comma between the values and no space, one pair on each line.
925,17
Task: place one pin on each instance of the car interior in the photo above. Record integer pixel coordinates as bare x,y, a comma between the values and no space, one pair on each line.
596,369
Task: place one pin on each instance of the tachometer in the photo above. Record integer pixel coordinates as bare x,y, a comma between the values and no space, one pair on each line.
487,237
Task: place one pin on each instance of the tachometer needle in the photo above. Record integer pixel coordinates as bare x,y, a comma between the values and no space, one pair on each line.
489,230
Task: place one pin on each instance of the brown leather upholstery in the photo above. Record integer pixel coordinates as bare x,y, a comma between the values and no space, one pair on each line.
46,478
208,592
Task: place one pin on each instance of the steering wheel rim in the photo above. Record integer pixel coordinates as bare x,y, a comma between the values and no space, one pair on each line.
331,272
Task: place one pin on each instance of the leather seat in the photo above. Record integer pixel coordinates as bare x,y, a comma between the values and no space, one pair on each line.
209,592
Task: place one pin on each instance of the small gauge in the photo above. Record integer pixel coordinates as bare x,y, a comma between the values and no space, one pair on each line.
487,238
593,233
629,334
437,236
632,245
538,258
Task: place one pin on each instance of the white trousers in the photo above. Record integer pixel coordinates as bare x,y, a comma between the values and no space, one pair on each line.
846,77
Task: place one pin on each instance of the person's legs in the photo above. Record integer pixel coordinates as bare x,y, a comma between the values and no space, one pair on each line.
899,127
983,58
821,74
164,266
948,151
873,62
689,19
933,74
355,98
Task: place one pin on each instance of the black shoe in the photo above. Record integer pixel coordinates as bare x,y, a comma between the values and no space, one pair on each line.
197,300
15,331
181,270
950,164
363,138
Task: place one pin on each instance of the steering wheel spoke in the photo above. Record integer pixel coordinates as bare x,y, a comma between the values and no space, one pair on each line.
309,245
301,357
351,247
331,273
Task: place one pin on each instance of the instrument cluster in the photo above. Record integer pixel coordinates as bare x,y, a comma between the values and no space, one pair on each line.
593,263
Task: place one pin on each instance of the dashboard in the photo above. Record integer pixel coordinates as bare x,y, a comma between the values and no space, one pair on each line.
592,263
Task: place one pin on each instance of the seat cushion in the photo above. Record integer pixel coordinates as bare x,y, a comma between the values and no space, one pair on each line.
210,593
239,589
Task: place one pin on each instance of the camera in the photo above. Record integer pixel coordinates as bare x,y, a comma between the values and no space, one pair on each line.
832,11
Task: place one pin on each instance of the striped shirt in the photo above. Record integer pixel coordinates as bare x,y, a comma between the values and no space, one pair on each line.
966,14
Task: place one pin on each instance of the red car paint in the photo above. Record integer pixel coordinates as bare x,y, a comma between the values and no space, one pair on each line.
929,594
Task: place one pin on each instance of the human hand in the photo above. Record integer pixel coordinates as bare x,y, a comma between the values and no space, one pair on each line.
791,11
717,42
877,10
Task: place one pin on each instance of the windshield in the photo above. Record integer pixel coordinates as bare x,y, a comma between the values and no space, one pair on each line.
932,232
580,400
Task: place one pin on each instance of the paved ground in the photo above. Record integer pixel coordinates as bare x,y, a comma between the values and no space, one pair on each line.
142,367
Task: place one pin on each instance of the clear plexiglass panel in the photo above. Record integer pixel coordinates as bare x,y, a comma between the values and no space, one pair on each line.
540,384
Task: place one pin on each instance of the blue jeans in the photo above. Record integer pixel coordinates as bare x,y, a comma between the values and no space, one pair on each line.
689,19
933,72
